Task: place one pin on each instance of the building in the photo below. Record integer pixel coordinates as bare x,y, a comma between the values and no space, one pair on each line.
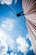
29,8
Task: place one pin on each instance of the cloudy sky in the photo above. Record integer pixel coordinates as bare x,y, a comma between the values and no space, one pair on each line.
13,30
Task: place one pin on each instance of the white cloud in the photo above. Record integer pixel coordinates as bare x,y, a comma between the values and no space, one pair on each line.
8,24
3,44
5,40
8,2
11,43
15,53
12,53
23,45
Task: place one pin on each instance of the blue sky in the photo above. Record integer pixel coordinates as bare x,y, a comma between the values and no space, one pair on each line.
14,28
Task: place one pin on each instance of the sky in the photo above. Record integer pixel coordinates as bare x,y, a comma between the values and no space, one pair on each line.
13,29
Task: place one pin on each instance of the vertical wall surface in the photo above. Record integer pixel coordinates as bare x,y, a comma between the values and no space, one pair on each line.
29,8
